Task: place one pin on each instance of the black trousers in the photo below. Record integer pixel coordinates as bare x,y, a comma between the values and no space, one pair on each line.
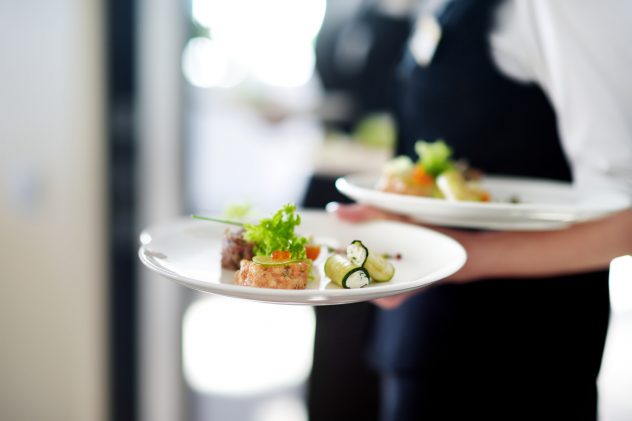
494,350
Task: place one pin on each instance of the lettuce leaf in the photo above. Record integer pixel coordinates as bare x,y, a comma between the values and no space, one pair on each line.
277,233
435,157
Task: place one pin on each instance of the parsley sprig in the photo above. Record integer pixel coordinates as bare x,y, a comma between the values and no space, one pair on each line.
272,234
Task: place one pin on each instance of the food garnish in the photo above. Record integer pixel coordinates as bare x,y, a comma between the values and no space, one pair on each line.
379,269
357,267
220,220
271,261
434,157
269,254
344,273
434,174
277,234
312,251
272,235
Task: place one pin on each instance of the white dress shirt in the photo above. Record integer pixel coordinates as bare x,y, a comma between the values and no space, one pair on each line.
578,52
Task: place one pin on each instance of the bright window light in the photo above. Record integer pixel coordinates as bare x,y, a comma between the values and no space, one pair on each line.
206,64
238,348
272,38
287,65
285,408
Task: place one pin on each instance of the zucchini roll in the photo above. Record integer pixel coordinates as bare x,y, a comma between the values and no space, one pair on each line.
379,269
453,186
344,273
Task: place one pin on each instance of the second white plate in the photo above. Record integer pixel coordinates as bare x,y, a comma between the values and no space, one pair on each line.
543,204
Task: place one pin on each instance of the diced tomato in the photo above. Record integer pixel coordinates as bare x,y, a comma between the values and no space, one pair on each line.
281,255
312,251
421,177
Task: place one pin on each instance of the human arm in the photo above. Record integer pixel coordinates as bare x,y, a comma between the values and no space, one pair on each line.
515,254
532,254
576,52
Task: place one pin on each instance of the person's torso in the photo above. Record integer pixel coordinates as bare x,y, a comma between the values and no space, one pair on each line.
498,125
502,127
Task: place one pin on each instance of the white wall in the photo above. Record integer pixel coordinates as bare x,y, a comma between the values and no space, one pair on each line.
52,239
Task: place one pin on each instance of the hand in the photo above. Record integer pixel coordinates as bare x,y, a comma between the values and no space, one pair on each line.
361,213
580,248
394,301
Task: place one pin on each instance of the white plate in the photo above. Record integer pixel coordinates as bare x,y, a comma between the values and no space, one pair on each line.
543,204
189,252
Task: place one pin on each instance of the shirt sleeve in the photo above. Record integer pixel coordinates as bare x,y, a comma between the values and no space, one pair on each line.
578,52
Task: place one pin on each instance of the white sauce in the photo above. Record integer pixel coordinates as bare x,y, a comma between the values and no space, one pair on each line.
357,279
355,253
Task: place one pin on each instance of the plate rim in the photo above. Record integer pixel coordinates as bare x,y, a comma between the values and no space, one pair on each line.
563,213
303,296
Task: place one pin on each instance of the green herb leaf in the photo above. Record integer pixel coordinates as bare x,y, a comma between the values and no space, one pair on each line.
277,233
435,157
222,221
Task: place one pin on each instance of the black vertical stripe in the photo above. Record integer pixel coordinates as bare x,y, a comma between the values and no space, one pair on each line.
121,167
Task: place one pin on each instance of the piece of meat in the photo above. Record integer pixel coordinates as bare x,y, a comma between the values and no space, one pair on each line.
235,249
287,276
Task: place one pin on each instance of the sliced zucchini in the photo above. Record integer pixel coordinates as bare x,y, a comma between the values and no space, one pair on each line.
380,269
454,187
357,253
344,273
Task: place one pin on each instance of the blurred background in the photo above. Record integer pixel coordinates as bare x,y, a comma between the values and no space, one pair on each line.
119,114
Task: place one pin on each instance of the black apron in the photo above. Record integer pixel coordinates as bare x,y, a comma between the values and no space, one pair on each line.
495,349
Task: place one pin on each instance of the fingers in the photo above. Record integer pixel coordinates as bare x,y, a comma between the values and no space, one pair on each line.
394,301
359,213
